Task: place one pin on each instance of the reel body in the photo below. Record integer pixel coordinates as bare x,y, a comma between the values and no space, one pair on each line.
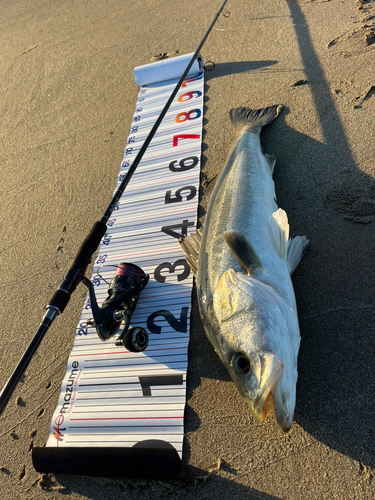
113,316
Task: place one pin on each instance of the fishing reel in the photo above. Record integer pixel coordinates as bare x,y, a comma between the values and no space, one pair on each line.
113,317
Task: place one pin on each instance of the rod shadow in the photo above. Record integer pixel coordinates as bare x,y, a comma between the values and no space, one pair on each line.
224,69
332,202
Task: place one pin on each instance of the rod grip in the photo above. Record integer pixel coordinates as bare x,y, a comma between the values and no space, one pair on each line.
78,268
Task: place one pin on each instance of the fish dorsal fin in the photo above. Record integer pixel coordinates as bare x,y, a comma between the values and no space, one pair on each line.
243,250
191,247
279,227
296,247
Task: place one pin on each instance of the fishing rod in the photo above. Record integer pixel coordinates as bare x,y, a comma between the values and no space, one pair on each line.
77,271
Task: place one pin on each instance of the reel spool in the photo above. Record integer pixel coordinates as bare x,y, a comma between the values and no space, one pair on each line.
113,317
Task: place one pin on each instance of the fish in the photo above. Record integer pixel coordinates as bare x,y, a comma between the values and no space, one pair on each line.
242,259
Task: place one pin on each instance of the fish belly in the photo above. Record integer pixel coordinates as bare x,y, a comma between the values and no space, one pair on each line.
243,201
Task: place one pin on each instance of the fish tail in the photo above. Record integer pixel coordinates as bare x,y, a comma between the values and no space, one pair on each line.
253,119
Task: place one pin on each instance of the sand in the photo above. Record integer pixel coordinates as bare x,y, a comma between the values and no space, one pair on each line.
67,98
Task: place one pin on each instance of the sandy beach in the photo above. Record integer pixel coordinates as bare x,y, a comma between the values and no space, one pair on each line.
68,97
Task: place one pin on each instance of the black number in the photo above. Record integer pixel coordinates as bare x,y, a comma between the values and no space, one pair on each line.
183,229
178,325
169,199
184,164
147,382
171,269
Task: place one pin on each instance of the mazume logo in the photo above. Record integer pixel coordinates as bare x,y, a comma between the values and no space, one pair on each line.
59,420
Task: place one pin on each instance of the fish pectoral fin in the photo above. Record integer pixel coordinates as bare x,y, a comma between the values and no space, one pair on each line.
243,250
191,247
296,248
279,228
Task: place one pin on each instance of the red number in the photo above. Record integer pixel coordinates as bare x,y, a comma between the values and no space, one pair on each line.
189,95
188,80
184,136
183,117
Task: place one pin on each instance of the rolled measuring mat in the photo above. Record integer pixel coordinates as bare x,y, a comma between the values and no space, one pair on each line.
166,69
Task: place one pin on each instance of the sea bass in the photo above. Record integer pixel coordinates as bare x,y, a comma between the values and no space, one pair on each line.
242,260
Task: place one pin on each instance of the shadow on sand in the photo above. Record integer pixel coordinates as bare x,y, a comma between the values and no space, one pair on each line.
332,202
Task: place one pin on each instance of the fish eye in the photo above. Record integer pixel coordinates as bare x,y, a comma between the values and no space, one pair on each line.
241,363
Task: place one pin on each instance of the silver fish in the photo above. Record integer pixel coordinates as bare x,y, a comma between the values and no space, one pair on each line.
242,261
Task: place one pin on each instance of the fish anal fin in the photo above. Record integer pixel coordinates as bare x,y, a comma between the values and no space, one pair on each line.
296,248
279,228
191,248
271,160
243,250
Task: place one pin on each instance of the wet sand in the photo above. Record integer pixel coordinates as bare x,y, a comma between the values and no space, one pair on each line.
68,96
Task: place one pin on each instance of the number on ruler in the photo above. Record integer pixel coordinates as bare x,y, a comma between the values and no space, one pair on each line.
101,259
184,164
178,197
95,281
154,380
190,79
189,95
188,115
82,328
171,268
184,136
169,230
177,325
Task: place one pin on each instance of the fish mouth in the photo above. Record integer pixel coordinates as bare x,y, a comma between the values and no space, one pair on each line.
271,371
